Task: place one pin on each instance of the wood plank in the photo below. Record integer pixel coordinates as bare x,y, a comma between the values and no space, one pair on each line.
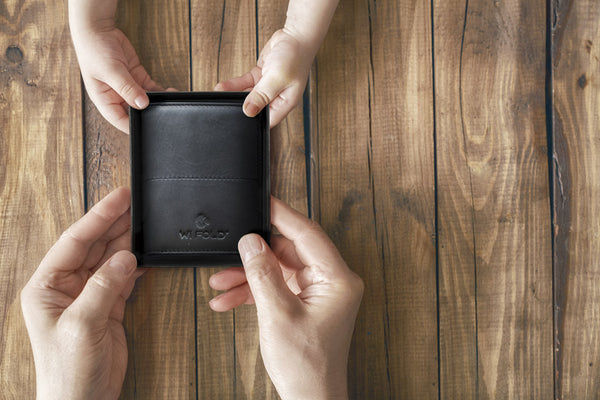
41,153
159,320
403,181
455,235
347,174
576,173
215,331
493,213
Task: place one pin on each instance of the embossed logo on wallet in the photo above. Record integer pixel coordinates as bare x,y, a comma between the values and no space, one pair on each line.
203,230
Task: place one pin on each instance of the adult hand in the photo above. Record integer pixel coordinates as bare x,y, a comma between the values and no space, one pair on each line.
74,305
306,301
278,79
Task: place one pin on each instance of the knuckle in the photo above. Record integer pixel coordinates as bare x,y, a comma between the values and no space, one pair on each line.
25,296
126,89
311,229
359,284
261,96
353,287
70,234
102,214
103,281
314,227
258,271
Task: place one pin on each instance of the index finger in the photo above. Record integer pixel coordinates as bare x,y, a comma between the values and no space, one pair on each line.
116,114
69,252
313,246
240,83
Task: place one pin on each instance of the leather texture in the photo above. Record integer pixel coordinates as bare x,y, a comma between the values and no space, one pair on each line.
200,178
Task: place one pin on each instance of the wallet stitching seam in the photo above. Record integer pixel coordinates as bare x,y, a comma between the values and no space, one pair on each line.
198,178
259,173
189,252
198,104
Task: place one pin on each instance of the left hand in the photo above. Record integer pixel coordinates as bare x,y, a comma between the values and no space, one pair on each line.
75,302
278,79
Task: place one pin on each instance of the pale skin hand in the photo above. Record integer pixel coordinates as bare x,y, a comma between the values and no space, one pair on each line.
282,69
115,79
110,67
306,301
74,305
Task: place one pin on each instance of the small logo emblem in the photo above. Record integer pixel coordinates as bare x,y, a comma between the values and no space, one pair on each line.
203,230
202,221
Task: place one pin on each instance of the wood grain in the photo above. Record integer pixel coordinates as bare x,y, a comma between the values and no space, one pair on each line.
350,163
159,322
215,331
413,107
41,178
493,210
576,105
401,160
457,287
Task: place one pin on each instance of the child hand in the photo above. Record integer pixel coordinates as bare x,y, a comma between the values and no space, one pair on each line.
113,75
278,79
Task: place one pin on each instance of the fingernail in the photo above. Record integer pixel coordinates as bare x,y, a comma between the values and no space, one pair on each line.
218,87
251,109
214,302
141,101
249,246
119,265
211,281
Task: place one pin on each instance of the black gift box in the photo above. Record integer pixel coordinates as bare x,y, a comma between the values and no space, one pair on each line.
199,178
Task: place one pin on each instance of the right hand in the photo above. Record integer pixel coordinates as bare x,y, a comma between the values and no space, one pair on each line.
113,75
306,300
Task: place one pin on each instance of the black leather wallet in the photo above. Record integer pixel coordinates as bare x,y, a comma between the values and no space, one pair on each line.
199,178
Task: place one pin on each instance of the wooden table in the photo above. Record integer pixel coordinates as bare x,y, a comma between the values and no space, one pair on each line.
449,148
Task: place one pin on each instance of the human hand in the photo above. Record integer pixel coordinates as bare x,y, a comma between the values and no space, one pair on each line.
278,79
75,302
306,301
110,67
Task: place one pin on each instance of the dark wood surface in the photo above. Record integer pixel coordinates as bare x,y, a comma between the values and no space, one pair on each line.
452,151
575,67
41,164
495,249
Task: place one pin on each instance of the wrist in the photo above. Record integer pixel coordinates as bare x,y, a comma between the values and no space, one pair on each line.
330,393
308,21
87,17
309,43
323,386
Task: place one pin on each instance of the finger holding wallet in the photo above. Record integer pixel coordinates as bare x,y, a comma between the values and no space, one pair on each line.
306,300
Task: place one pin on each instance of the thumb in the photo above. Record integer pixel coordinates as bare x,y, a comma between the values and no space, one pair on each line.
264,275
265,91
104,288
123,83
